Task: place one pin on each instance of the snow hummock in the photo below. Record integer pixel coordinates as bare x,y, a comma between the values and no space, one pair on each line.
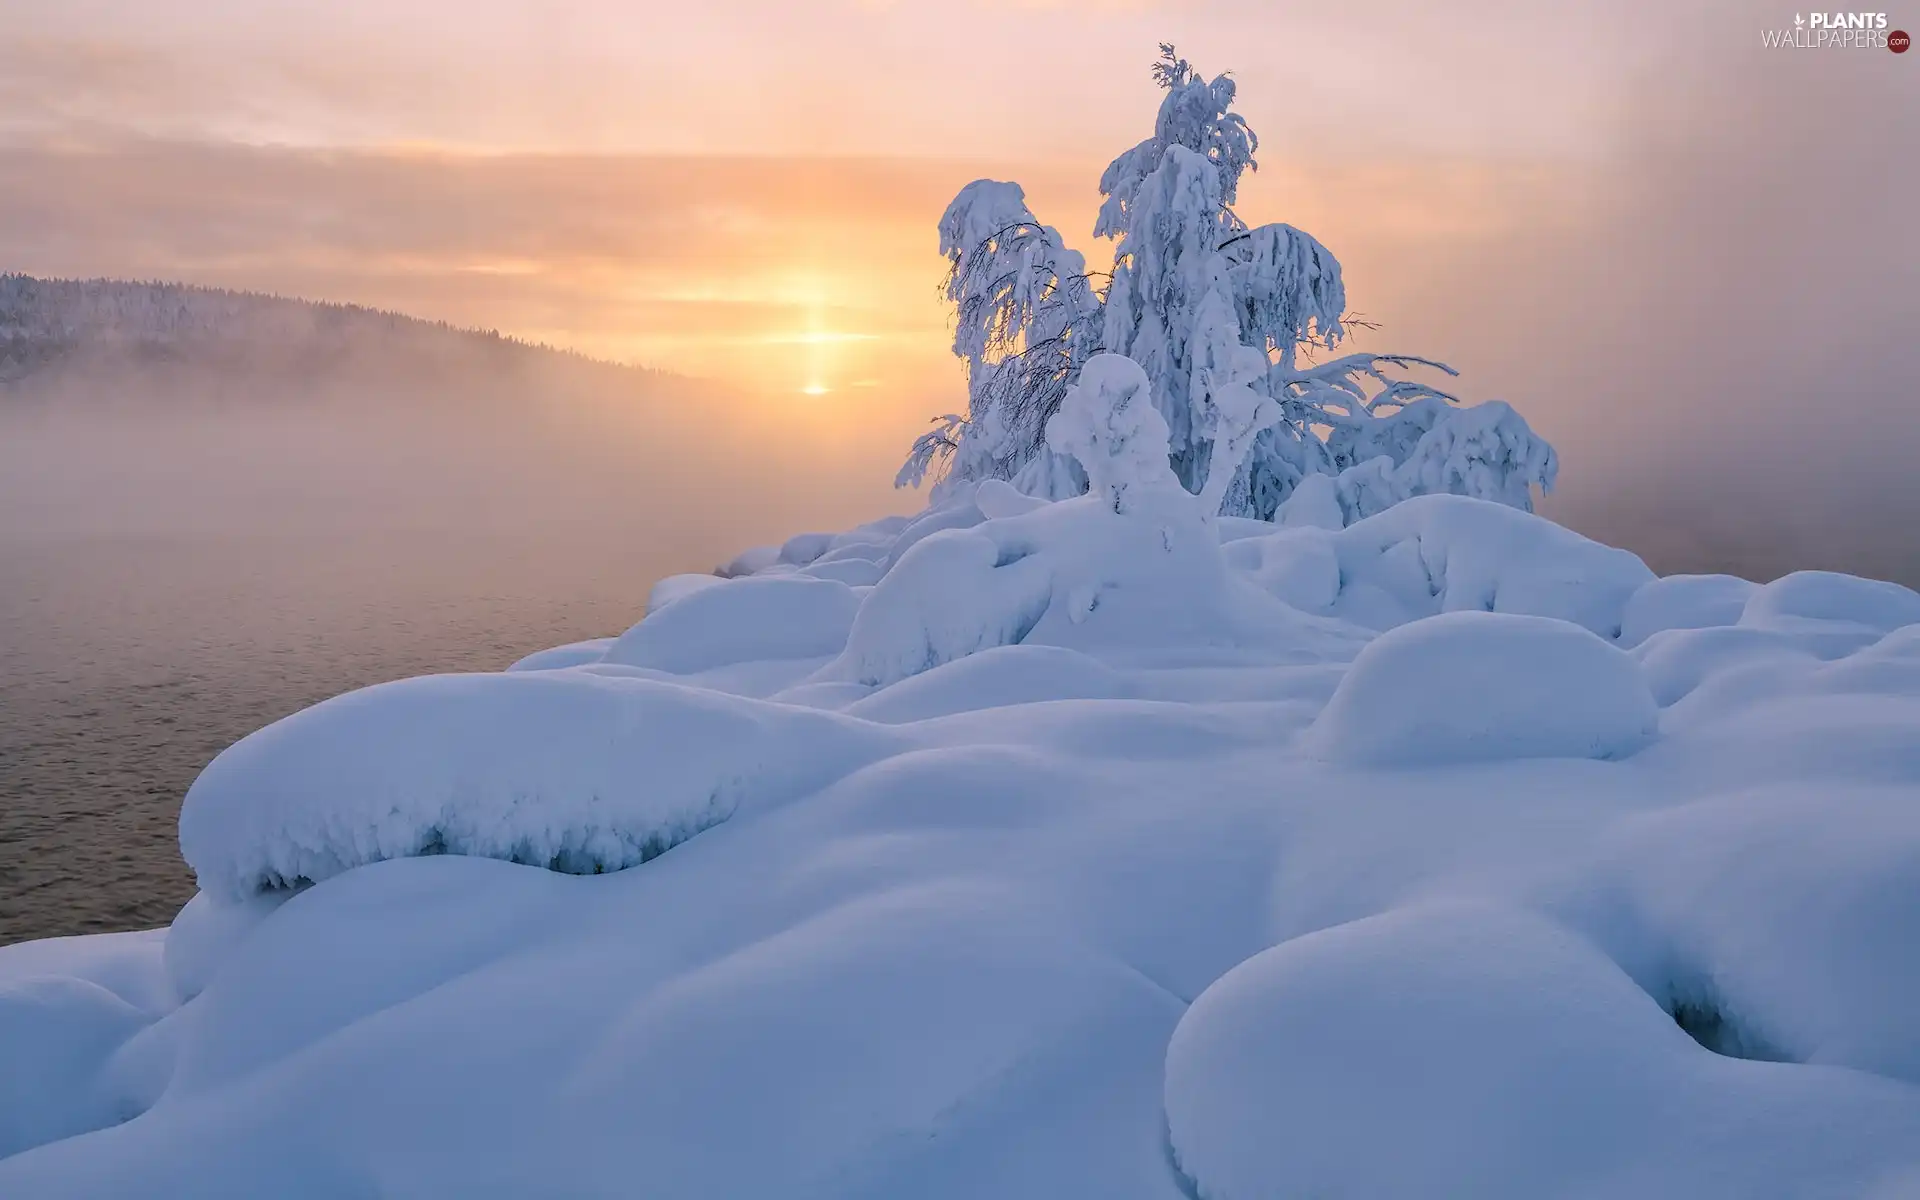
1482,685
1107,846
741,620
1503,1055
568,770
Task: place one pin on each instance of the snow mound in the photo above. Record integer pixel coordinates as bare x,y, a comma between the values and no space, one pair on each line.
676,587
852,571
1680,895
1508,1058
573,654
1435,554
1133,566
1683,602
741,620
1299,567
1740,662
996,678
1472,686
1807,596
205,932
577,772
1076,573
56,1034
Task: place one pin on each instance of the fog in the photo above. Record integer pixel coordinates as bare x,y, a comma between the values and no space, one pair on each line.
541,449
1724,345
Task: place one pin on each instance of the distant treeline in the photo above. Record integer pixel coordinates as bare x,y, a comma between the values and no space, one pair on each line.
48,321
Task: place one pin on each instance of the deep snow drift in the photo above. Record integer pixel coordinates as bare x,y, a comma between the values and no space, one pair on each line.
1089,848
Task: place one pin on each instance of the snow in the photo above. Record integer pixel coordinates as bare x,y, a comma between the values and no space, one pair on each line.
1109,424
205,932
1503,1056
1448,553
741,620
1822,596
575,771
1480,685
674,587
1093,848
57,1030
996,678
1682,602
573,654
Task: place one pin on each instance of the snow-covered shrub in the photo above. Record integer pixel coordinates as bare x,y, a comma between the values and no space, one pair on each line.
1220,316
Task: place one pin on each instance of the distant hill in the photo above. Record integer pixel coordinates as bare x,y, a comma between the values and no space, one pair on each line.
85,326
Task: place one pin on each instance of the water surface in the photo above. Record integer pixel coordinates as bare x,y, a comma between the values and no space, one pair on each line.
128,661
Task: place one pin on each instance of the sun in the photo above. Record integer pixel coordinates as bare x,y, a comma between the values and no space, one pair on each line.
815,389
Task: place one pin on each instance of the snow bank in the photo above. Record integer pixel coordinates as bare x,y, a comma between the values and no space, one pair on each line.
741,620
1470,686
579,772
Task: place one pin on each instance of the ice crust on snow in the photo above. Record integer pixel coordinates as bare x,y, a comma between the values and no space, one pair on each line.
1083,849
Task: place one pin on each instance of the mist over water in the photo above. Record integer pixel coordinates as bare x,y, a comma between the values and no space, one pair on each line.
188,555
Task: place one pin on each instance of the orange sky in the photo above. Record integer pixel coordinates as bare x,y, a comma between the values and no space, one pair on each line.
1622,215
693,202
747,188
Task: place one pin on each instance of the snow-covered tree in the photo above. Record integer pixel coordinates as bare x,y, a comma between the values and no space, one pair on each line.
1226,322
1025,319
